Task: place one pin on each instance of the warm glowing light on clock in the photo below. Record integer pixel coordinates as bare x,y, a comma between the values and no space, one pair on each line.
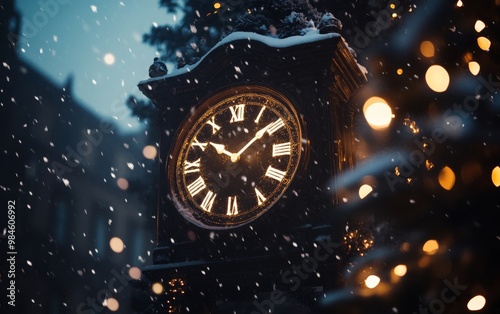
476,303
437,78
495,176
377,113
446,178
372,281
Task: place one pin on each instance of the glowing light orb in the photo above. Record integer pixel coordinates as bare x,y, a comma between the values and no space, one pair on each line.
446,178
377,113
135,273
372,281
484,43
364,190
476,303
495,176
427,49
157,288
474,67
122,183
437,78
116,244
112,304
430,247
400,270
479,26
149,152
109,59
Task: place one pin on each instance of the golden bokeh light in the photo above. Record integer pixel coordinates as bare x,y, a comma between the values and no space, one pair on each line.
479,26
116,244
437,78
364,190
477,303
460,3
484,43
135,273
112,304
377,113
474,67
495,176
217,5
157,288
149,152
122,183
109,59
430,247
446,178
400,270
427,49
399,71
372,281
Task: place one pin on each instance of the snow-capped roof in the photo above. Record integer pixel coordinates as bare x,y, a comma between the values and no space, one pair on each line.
309,37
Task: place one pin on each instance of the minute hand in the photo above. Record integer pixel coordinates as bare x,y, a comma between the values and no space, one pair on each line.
257,136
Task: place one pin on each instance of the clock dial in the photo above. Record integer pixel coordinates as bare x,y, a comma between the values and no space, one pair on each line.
235,157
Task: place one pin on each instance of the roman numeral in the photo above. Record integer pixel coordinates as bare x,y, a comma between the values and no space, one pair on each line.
190,167
275,126
200,145
215,127
208,201
260,114
232,206
237,113
196,186
275,174
281,149
260,198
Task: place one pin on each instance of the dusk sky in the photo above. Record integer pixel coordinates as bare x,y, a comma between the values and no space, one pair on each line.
98,42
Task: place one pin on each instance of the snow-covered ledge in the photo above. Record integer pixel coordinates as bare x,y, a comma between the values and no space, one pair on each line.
310,36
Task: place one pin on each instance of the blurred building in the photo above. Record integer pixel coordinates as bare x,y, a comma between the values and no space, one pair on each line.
77,183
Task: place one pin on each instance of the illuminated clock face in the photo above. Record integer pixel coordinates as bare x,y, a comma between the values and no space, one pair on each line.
235,157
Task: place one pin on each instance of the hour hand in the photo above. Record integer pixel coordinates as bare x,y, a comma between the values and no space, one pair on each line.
221,149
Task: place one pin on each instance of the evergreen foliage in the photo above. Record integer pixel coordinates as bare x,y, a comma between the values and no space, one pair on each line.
204,23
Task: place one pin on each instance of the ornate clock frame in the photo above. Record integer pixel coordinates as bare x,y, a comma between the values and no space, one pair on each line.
319,75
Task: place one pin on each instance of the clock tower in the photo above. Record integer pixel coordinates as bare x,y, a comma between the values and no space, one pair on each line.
252,136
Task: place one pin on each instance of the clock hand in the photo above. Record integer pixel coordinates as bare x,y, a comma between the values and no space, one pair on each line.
257,136
221,149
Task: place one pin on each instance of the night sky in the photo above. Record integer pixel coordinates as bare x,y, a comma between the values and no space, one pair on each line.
78,36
